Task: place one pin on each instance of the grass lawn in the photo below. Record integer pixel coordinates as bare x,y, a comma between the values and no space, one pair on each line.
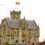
16,44
24,44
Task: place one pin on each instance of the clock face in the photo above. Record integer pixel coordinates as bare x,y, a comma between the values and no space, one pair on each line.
16,15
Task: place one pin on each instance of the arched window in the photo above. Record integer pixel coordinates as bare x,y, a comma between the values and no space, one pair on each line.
16,41
29,40
16,15
23,40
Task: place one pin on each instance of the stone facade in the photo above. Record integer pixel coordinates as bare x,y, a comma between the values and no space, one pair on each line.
10,29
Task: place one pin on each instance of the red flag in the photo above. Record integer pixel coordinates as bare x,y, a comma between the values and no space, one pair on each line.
17,3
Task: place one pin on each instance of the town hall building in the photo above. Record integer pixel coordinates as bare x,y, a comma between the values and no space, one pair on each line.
17,30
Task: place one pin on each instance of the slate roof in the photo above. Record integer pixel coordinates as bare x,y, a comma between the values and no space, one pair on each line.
14,23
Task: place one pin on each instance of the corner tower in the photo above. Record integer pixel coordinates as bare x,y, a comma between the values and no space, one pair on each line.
15,14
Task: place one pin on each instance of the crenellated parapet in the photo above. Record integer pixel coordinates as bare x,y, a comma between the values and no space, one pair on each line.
15,14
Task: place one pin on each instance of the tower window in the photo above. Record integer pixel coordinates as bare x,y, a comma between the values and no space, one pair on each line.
16,15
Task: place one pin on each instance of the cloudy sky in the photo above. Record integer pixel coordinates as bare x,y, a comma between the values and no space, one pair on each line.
31,9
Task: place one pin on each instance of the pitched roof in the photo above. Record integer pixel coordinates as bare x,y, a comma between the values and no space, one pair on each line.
31,24
14,23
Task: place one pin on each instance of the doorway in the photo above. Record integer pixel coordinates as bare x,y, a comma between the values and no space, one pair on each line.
16,41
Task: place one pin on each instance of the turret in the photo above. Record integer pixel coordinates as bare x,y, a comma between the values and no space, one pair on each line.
15,14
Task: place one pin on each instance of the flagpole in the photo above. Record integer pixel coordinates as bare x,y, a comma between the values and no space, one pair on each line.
15,5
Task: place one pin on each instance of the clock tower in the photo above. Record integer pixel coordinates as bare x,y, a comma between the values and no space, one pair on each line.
15,14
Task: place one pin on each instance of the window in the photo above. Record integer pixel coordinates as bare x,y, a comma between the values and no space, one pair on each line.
29,33
15,32
34,40
12,32
18,32
23,40
16,41
24,32
29,40
34,33
16,15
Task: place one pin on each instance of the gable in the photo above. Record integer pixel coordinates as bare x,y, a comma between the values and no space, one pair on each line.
31,24
24,24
